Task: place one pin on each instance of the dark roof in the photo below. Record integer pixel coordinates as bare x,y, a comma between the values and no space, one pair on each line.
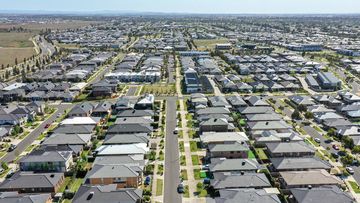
28,180
130,128
323,194
107,193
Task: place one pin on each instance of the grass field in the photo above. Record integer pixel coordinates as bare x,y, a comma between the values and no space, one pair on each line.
159,187
8,55
208,44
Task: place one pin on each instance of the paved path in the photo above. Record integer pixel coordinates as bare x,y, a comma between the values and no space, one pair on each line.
28,140
172,165
131,91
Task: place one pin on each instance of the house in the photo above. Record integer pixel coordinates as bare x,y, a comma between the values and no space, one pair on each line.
289,149
216,125
126,149
103,88
263,117
228,150
256,101
299,164
236,101
301,100
322,194
255,195
103,109
132,159
68,139
30,182
82,110
133,120
124,176
37,107
207,138
14,197
212,110
268,125
125,103
75,129
242,180
272,136
136,113
256,110
218,101
130,128
47,161
81,121
302,179
233,165
119,139
107,193
328,81
145,102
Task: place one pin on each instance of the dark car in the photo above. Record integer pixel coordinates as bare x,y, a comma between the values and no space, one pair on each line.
335,155
180,188
147,180
12,148
47,125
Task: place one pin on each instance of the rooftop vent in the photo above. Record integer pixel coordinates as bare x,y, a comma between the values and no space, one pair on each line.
91,194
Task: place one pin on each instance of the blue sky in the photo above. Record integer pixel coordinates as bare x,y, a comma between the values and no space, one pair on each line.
189,6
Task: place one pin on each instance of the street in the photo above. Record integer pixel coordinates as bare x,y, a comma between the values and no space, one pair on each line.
132,91
28,140
172,166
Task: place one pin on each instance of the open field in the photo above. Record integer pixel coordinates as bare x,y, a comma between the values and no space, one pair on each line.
8,55
208,44
36,27
16,39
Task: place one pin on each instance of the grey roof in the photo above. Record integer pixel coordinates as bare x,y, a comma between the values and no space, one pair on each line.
111,171
289,147
28,180
269,125
213,110
323,194
247,180
223,165
126,138
257,101
236,101
249,195
130,128
256,110
11,197
135,113
47,156
313,177
303,163
129,120
75,129
125,159
228,147
103,107
68,139
107,193
263,117
85,107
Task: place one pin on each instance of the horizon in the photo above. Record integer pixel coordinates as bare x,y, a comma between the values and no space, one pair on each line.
256,7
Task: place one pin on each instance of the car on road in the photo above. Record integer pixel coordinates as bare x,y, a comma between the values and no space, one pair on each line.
317,140
350,170
180,188
12,148
176,131
47,125
335,155
328,141
335,147
58,115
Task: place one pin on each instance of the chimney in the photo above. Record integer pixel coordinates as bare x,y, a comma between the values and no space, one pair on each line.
309,187
243,163
242,173
267,123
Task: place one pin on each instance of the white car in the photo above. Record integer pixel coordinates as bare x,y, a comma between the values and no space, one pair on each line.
317,140
350,170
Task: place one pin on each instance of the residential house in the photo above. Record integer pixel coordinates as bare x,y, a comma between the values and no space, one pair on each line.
47,161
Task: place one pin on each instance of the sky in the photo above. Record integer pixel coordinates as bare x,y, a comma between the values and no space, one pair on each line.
188,6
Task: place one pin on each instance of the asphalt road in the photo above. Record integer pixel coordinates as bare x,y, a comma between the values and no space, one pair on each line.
172,165
131,91
27,141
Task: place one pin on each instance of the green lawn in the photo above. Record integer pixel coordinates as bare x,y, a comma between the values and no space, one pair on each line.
75,184
30,148
181,146
197,174
193,146
182,160
159,187
195,160
186,194
184,175
317,128
63,186
261,154
354,186
311,141
251,155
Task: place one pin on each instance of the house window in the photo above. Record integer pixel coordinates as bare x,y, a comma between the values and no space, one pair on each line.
119,180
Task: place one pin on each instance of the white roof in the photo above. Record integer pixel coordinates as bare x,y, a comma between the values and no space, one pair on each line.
140,148
208,137
79,121
14,86
78,86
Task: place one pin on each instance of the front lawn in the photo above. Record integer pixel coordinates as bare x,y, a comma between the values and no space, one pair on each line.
354,186
195,160
159,187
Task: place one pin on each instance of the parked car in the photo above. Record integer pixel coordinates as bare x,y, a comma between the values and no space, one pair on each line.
350,170
180,188
47,125
335,155
176,131
12,148
335,147
147,180
317,140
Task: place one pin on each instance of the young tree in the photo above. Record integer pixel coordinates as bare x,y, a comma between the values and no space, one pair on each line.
296,115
